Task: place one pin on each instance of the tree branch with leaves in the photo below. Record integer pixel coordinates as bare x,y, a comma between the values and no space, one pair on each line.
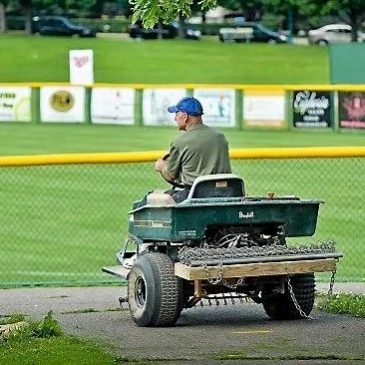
150,12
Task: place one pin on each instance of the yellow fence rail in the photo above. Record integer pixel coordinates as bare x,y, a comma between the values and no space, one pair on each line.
132,157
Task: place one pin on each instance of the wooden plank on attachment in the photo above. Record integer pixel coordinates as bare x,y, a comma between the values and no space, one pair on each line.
255,269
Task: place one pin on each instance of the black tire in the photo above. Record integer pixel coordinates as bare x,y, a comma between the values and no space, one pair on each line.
154,291
322,42
281,307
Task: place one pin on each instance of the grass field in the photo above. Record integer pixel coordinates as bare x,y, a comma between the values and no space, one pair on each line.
61,224
127,61
17,139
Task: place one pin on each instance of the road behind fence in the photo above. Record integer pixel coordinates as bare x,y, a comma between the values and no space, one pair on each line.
64,217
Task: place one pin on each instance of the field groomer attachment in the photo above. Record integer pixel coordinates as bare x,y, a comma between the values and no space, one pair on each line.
219,245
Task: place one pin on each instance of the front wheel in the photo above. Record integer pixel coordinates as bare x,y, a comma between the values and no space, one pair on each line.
154,291
280,306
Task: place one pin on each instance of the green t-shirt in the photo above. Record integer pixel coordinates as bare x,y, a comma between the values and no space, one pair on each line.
201,150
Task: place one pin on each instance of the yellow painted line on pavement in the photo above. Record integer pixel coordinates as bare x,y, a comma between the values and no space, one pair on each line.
252,332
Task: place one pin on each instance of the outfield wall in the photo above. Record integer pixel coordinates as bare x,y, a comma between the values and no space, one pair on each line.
336,107
65,216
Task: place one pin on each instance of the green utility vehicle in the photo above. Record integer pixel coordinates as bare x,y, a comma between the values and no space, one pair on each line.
220,245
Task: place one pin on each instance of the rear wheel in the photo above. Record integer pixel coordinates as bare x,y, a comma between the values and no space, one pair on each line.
322,42
154,291
280,306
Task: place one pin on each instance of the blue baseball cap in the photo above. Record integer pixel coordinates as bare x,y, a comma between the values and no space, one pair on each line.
187,105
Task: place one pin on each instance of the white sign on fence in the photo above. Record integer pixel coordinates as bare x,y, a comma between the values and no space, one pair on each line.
112,105
155,103
264,109
218,106
62,104
15,104
81,66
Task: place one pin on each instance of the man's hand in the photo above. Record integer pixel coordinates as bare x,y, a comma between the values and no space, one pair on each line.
160,164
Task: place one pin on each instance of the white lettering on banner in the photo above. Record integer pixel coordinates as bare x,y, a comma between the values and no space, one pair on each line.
306,100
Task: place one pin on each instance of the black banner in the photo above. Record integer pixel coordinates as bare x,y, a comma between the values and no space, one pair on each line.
312,109
351,109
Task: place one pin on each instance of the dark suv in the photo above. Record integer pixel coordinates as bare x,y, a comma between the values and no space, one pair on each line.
168,31
251,32
58,25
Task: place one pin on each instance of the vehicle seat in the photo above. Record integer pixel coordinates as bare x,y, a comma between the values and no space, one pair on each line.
217,186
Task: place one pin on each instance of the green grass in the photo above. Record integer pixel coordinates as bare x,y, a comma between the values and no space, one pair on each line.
127,61
344,303
43,343
62,224
18,139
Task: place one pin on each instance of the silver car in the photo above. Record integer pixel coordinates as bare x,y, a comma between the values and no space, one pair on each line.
333,33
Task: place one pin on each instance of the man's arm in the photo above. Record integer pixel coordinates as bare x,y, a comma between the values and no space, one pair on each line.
161,166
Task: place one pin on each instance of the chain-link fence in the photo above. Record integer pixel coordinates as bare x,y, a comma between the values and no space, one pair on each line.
60,224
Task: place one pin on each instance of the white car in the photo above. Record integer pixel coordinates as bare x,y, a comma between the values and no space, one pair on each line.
333,33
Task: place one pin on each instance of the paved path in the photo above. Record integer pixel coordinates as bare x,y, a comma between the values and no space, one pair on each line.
200,333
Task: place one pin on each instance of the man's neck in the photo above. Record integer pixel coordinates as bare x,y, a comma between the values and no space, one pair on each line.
193,123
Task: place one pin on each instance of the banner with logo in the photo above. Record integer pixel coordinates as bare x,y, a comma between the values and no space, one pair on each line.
112,105
155,104
81,66
218,105
312,109
266,109
351,109
15,104
62,104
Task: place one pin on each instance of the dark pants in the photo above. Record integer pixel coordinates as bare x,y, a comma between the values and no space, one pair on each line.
179,195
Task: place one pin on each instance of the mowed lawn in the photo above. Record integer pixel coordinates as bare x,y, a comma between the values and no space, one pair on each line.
29,58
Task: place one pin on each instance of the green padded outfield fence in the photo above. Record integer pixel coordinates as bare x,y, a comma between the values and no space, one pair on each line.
65,216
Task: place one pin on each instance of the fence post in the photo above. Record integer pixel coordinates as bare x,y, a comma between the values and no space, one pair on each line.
35,105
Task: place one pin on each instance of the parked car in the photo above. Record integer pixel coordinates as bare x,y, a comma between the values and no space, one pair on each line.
333,33
168,31
58,25
251,32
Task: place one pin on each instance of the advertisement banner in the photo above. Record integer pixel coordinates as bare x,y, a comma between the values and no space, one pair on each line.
155,103
112,105
62,104
81,66
218,106
351,109
312,109
266,109
15,104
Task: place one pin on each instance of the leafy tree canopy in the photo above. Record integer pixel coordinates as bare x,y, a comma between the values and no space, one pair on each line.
150,12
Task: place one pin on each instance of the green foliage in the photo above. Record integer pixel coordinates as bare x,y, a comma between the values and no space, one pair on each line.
150,12
13,318
344,303
47,328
